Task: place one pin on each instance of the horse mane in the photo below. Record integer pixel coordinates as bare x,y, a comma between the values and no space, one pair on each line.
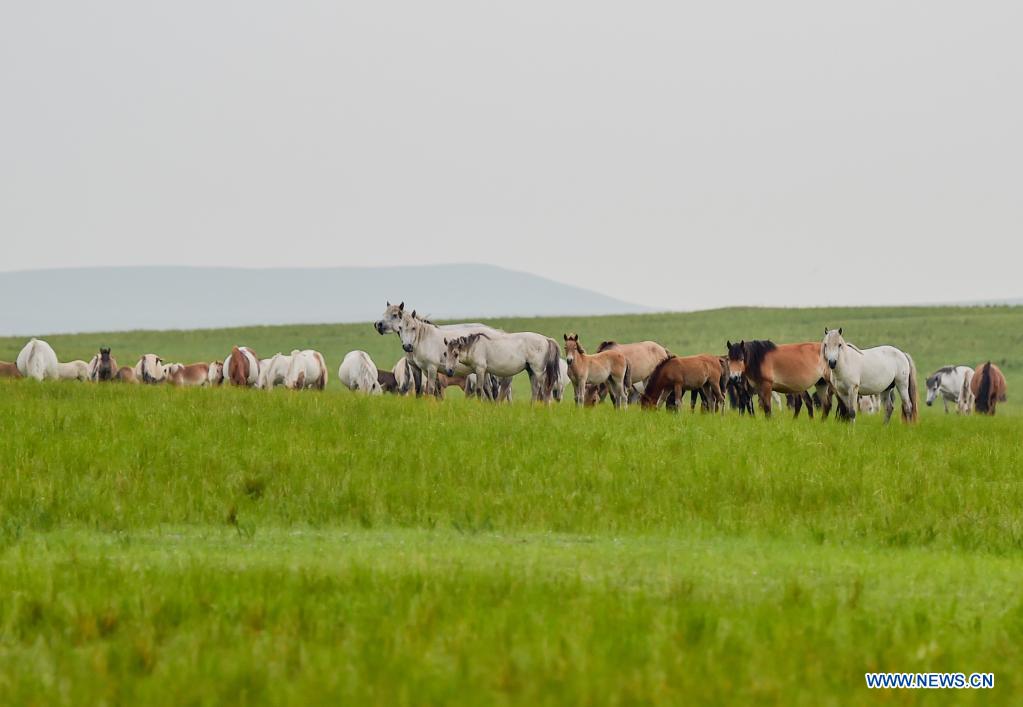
657,369
983,402
605,345
754,353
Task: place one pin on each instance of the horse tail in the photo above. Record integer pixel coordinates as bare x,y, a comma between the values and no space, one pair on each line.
35,365
983,402
551,368
914,394
321,382
627,380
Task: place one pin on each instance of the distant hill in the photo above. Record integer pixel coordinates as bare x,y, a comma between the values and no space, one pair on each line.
119,299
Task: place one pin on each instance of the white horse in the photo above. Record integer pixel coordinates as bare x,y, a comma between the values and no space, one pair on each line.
215,374
273,371
407,376
424,341
73,371
874,371
307,370
947,382
150,369
358,372
38,360
507,355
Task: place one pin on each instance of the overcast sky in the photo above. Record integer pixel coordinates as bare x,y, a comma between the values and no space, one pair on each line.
678,155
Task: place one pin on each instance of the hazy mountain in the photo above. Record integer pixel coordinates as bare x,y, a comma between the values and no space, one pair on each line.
117,299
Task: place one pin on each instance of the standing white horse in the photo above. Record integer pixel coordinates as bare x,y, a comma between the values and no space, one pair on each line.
307,370
947,382
38,360
874,371
424,341
73,371
507,355
358,372
273,371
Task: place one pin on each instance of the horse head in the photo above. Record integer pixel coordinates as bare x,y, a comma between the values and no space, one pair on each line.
391,319
831,347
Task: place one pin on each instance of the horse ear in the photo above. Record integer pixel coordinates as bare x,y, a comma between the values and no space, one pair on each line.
401,307
728,344
825,331
413,314
839,331
445,342
388,303
566,337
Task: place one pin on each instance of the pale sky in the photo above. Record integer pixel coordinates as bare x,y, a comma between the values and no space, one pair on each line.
679,155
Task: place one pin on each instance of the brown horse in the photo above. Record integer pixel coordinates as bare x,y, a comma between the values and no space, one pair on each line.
240,366
609,367
195,374
988,388
643,358
677,374
126,374
9,370
103,366
786,368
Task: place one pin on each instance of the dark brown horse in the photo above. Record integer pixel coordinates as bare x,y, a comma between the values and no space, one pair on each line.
9,370
786,368
988,388
103,367
678,374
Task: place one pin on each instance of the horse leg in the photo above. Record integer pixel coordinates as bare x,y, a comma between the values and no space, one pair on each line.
797,405
680,393
824,395
889,405
907,401
853,402
765,398
809,403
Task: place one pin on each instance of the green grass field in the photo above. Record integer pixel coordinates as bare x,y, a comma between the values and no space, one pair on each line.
202,546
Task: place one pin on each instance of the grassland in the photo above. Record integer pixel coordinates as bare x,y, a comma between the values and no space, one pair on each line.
207,546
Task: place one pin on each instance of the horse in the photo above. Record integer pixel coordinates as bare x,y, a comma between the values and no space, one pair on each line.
870,404
678,374
73,371
558,391
988,388
609,367
242,366
102,366
789,368
307,370
643,358
964,406
9,370
215,375
150,369
467,384
407,376
358,372
507,355
273,372
193,375
947,382
872,371
38,360
425,343
126,374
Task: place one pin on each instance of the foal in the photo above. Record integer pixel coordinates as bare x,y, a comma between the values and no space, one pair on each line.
609,367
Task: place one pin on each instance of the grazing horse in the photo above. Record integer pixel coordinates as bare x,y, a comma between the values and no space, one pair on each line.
193,375
787,368
126,374
215,376
643,358
388,383
947,382
103,366
9,370
408,377
150,369
678,374
988,388
358,372
507,355
873,371
73,371
609,367
307,370
273,372
427,352
242,366
37,360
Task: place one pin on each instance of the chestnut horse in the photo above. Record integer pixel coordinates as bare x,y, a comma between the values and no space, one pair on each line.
988,388
609,367
677,374
195,374
242,366
787,368
9,370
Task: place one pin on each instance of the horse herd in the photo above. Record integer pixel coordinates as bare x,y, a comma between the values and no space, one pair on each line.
482,361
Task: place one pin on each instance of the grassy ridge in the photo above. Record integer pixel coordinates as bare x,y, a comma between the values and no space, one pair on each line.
162,545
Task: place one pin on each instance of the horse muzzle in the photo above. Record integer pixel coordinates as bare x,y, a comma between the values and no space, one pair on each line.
832,364
379,326
449,371
407,348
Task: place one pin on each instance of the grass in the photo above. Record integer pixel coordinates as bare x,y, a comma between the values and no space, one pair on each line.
208,546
